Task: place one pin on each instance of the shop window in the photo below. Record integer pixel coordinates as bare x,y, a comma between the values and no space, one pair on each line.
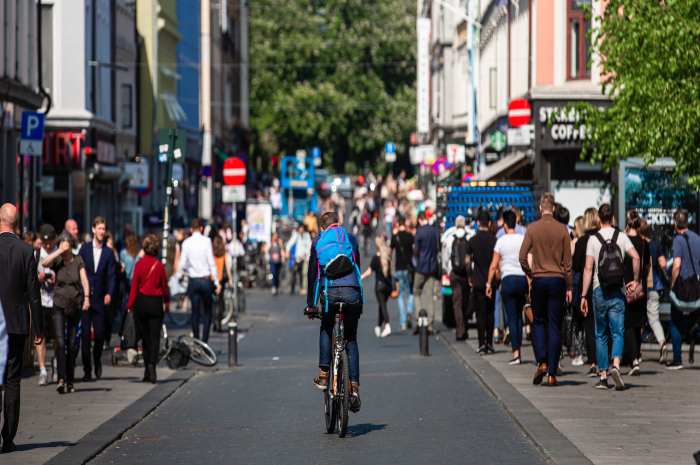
493,88
127,111
579,48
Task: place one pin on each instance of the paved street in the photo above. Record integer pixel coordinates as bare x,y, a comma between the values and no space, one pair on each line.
415,409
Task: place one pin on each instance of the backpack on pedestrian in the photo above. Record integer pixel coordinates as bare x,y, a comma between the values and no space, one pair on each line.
335,257
459,256
610,264
686,292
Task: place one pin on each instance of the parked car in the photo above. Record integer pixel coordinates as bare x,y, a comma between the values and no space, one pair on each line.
340,183
320,176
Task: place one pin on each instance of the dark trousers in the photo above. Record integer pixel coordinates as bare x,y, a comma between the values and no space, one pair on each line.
66,367
484,308
382,291
548,296
460,297
296,271
96,318
588,324
514,295
13,377
149,314
200,291
633,342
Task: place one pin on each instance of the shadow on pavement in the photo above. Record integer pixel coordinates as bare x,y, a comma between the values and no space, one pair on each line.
45,445
362,429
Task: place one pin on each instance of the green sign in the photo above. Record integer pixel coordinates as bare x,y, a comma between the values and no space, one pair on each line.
498,140
172,143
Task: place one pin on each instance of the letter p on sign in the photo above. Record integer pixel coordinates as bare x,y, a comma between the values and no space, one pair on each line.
32,126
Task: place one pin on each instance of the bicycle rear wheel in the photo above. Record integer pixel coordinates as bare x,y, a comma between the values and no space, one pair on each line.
180,313
200,352
343,397
330,403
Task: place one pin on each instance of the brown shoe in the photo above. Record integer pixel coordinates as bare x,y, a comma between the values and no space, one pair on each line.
321,381
541,373
355,393
552,381
415,331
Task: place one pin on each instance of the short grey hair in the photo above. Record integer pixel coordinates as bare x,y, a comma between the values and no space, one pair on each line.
460,222
67,237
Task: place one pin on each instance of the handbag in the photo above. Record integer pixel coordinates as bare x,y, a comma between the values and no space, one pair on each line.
638,292
395,287
409,264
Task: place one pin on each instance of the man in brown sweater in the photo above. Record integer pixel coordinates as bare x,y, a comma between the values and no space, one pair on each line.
549,242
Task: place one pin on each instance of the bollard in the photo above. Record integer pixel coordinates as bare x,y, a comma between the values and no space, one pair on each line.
233,344
423,331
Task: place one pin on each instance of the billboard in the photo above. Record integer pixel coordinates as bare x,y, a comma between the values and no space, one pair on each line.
259,218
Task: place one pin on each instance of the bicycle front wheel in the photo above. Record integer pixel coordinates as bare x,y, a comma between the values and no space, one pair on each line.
200,352
343,400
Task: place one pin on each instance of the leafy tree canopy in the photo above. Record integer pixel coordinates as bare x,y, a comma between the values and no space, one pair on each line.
337,74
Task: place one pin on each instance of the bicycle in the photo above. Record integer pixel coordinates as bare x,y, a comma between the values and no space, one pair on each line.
337,397
234,302
200,352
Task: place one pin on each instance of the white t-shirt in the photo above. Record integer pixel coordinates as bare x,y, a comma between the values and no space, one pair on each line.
508,247
593,249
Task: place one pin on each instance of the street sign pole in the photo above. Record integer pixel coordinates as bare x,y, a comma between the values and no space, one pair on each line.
168,195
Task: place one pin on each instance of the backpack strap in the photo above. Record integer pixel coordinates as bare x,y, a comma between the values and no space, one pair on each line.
616,234
599,237
687,241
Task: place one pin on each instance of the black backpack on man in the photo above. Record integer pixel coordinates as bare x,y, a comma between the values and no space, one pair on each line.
611,263
459,256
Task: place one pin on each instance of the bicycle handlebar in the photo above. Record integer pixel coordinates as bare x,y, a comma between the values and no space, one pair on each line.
316,313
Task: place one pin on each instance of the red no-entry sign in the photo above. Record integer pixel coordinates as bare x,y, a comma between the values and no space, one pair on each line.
519,112
234,172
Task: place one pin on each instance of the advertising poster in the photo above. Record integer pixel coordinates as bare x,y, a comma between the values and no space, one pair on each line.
259,218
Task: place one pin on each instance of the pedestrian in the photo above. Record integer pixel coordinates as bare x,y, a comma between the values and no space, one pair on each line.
149,292
223,270
459,277
37,242
425,249
179,238
128,256
402,243
29,237
686,250
366,227
514,283
118,295
389,214
311,222
608,292
550,286
19,290
197,260
72,227
658,272
100,267
301,243
47,282
68,305
381,266
276,256
583,325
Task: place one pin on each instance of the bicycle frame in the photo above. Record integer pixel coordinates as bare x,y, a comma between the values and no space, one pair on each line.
339,346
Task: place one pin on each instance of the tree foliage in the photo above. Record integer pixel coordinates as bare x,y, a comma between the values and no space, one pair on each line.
337,74
650,56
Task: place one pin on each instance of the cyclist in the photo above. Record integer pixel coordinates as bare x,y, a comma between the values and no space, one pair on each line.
348,290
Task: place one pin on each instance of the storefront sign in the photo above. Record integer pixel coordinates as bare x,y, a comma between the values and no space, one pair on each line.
105,153
568,130
62,149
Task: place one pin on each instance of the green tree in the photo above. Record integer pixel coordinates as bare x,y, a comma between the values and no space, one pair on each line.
339,75
650,56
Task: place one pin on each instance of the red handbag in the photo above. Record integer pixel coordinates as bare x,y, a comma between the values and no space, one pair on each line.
638,292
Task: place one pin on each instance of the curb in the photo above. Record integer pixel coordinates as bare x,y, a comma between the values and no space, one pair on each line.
110,431
555,447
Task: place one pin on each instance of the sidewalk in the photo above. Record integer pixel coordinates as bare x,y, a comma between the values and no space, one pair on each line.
655,420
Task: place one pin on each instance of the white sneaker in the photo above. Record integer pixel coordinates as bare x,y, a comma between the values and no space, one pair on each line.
578,361
377,331
387,330
274,290
42,379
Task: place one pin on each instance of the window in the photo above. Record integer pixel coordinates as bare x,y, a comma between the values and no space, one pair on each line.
579,49
127,118
493,88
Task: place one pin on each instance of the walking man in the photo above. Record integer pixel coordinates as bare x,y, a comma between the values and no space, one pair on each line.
459,279
100,267
480,251
302,240
47,280
551,286
197,260
402,243
19,290
425,249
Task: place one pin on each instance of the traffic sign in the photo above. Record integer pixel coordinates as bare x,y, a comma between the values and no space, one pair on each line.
389,147
519,112
232,194
498,140
315,152
172,143
519,136
32,135
234,172
178,172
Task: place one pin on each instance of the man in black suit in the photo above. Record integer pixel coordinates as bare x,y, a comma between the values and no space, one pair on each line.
100,267
19,290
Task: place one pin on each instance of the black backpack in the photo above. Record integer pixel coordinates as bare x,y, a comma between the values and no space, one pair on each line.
686,292
179,356
611,263
459,256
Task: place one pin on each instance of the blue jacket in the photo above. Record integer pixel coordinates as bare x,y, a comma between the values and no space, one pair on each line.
102,281
426,246
351,280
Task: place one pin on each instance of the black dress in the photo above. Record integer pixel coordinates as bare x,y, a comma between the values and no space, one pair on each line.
636,313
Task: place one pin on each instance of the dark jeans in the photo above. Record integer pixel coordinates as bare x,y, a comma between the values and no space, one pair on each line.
353,297
96,318
633,342
514,295
680,321
66,367
460,297
149,314
484,308
296,270
382,291
200,291
548,296
13,377
275,270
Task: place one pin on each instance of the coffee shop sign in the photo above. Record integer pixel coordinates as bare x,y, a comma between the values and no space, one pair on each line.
567,125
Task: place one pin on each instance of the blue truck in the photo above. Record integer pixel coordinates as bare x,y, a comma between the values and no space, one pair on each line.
298,185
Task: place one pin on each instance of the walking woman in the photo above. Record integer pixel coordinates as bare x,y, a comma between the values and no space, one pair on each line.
70,273
223,267
149,291
275,250
514,283
128,256
381,266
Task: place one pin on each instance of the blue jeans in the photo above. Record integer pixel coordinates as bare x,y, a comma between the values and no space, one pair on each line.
275,270
199,292
548,296
514,293
609,310
680,321
406,291
353,297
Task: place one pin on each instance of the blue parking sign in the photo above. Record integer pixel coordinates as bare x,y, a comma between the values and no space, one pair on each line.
315,152
389,147
32,125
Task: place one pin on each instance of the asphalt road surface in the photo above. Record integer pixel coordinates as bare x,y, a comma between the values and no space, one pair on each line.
414,409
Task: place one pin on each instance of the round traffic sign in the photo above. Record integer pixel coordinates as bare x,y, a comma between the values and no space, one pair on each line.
519,112
178,172
234,172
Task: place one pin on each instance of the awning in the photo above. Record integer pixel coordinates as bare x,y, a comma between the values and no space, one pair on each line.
503,167
173,108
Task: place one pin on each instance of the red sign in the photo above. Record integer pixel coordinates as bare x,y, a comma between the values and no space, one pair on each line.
234,172
519,112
